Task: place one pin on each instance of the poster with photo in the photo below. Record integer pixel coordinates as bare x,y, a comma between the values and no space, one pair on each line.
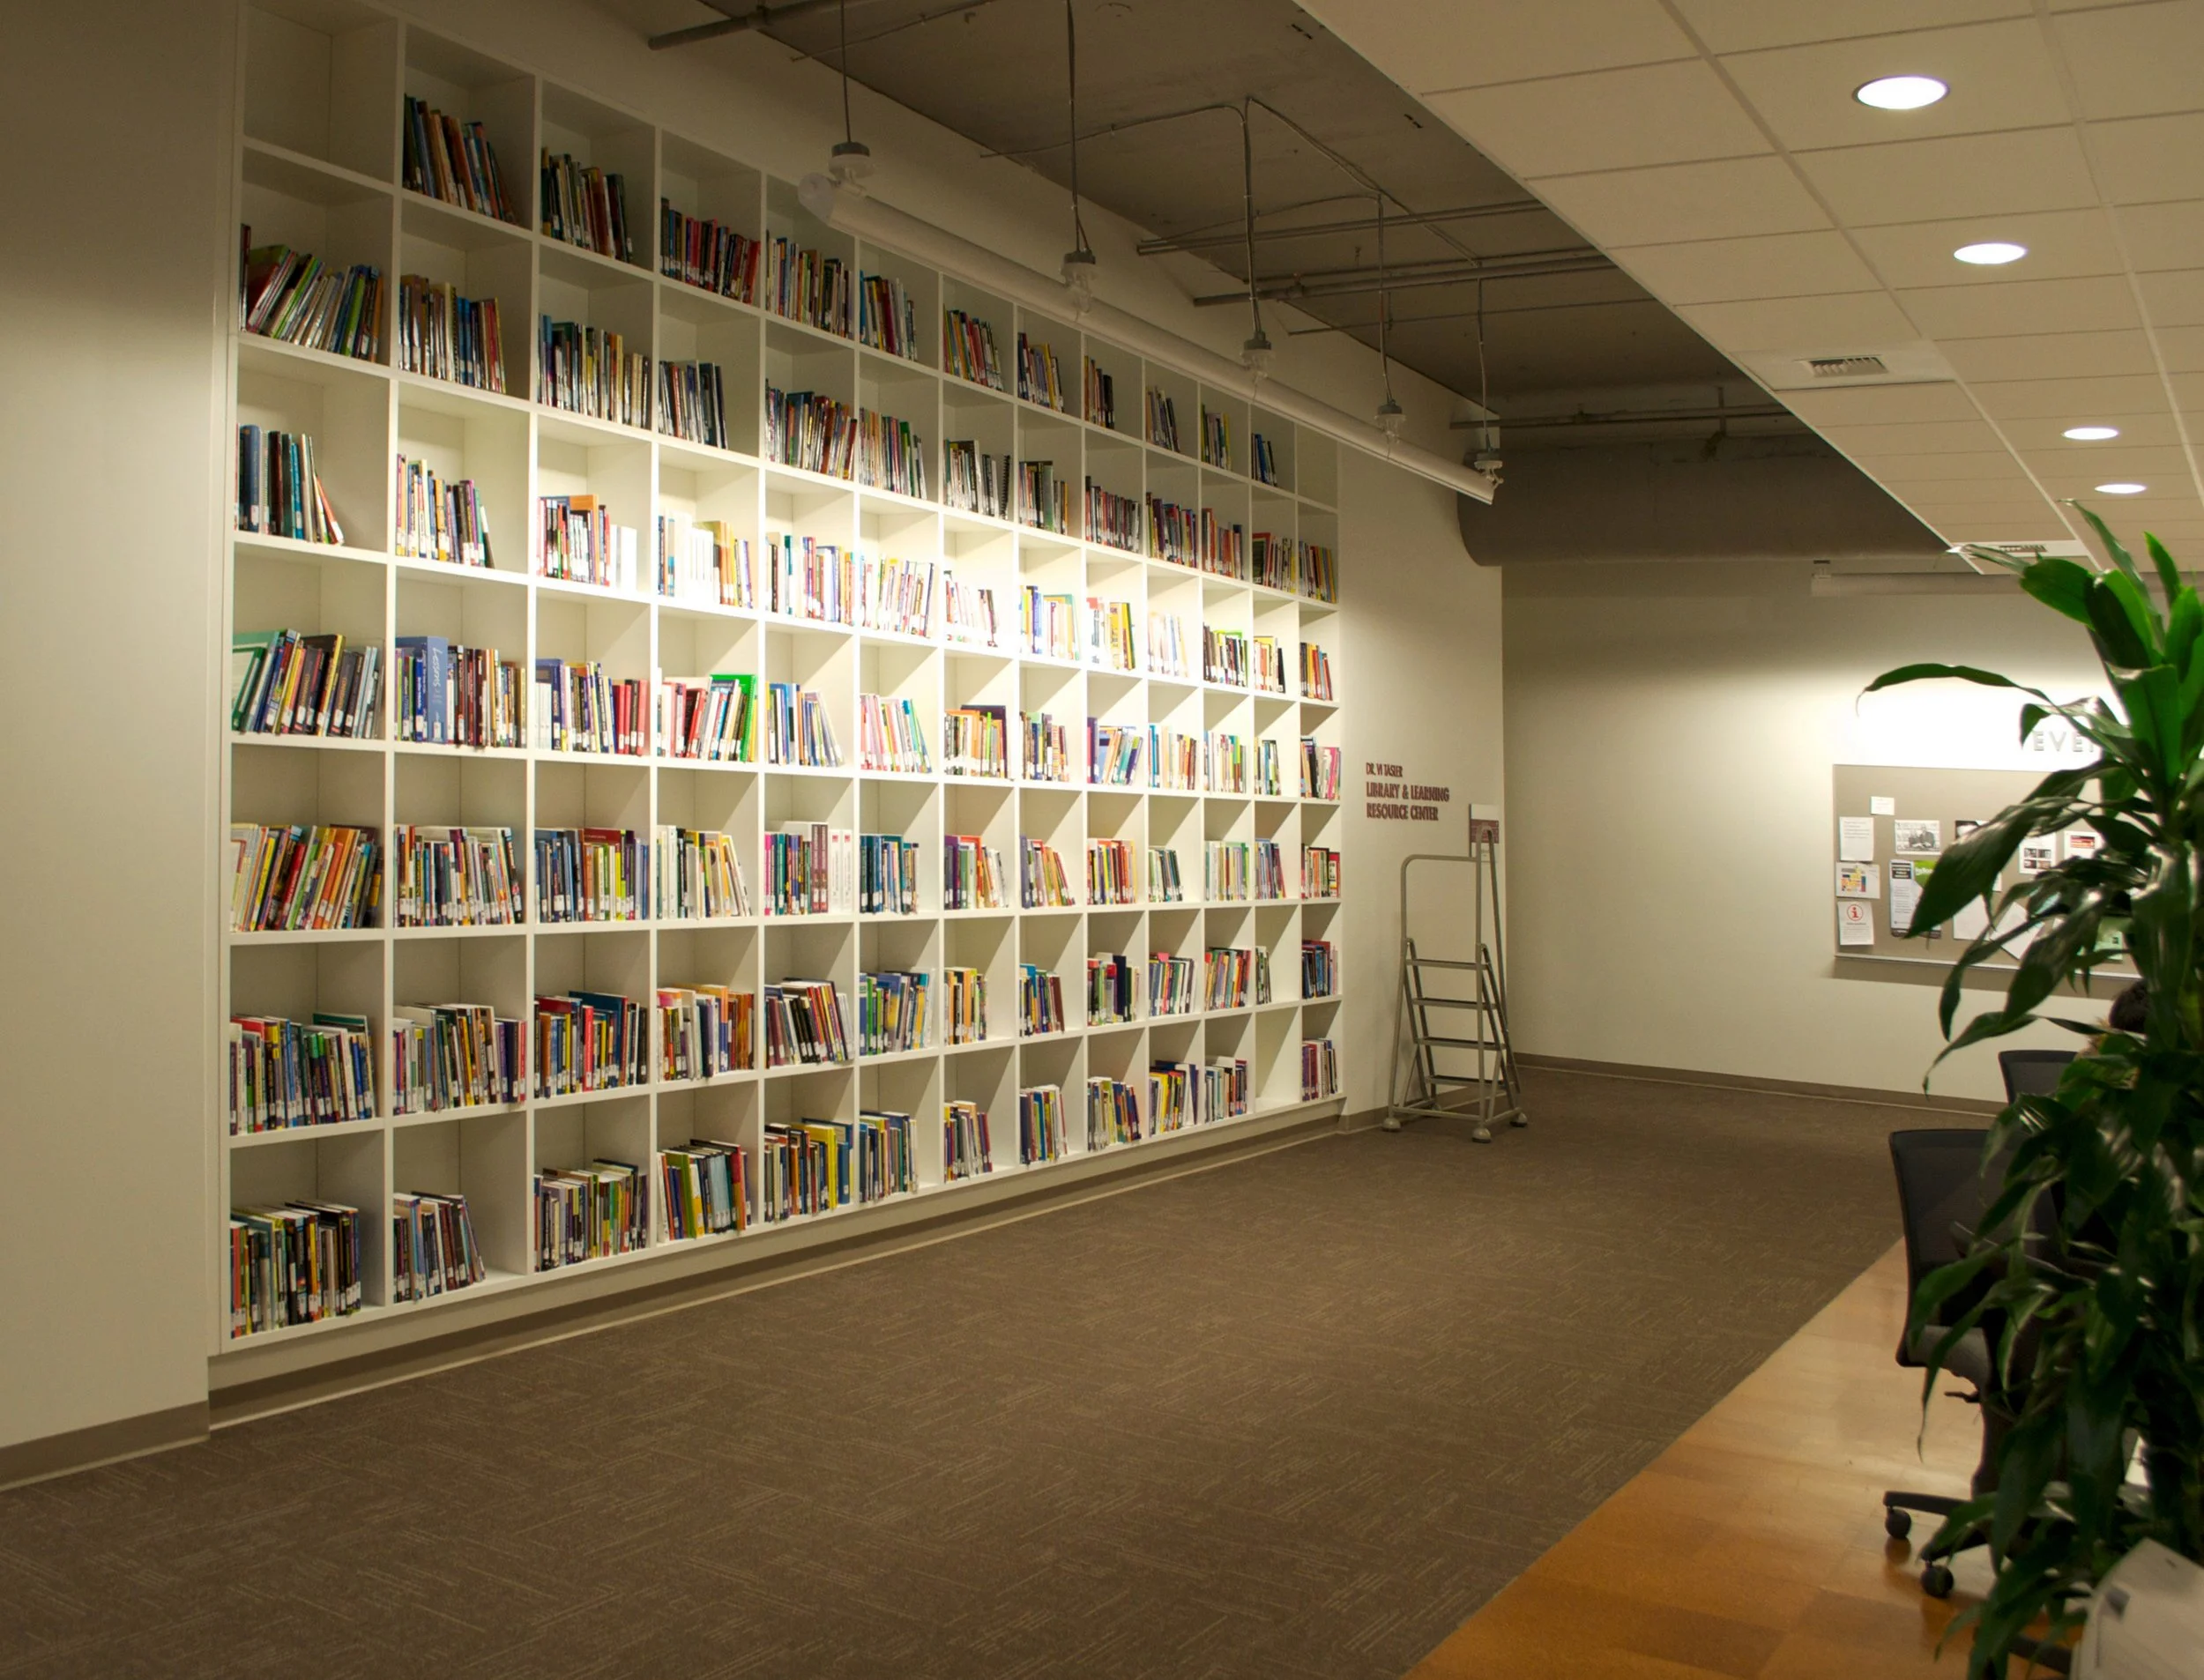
2036,856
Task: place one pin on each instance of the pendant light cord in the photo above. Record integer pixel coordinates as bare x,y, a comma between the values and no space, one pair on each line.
1071,55
842,18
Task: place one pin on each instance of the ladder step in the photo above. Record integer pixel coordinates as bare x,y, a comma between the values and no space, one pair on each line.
1435,962
1458,1044
1453,1003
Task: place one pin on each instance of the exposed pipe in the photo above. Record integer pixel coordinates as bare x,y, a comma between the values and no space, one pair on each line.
1287,290
1191,242
1629,417
869,219
734,23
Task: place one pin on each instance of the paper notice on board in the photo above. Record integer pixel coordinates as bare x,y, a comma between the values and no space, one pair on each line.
1883,804
2037,856
1917,837
1855,922
2082,843
1856,839
1972,921
1906,893
1857,881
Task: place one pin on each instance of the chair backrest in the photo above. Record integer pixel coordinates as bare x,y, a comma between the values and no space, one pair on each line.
1941,1192
2032,1073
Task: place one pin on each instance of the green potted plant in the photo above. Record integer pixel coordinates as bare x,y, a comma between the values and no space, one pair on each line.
2097,1318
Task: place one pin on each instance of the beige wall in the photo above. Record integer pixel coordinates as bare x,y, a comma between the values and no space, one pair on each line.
1671,729
112,274
111,355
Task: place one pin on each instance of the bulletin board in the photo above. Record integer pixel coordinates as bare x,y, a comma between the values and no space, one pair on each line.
1912,798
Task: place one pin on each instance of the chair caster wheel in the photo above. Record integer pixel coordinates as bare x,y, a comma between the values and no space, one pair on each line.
1936,1581
1483,1134
1897,1523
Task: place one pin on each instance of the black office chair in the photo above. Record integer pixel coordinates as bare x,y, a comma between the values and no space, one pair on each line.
2032,1073
1942,1191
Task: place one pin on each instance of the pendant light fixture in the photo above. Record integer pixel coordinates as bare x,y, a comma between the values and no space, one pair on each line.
1390,416
1077,269
1256,356
852,160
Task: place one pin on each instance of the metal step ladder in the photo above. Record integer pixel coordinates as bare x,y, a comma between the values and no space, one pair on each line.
1482,1039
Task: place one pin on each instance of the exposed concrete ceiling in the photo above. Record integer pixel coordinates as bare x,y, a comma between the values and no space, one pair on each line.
1714,149
1549,340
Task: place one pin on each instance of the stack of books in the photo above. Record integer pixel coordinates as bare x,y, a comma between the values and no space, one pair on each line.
439,519
699,876
968,349
456,877
1112,996
1110,879
804,285
590,371
891,1012
279,492
445,336
704,254
589,1213
585,207
1039,379
1170,984
454,162
454,1055
712,720
296,1264
971,874
889,736
285,682
887,319
966,997
798,729
591,1041
289,296
1112,1113
591,875
707,1190
964,1148
975,742
1041,1001
803,1024
433,1250
1040,1124
284,1073
303,878
704,1031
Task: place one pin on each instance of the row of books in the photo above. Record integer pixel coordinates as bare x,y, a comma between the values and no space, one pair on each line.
1048,625
1224,656
892,1012
1040,1124
968,349
706,253
445,336
1224,763
1268,778
810,430
1042,883
1319,872
285,682
303,877
1112,643
1316,671
590,371
299,1263
1112,1113
1114,753
440,519
1041,1001
1267,674
579,709
292,296
699,876
803,1023
1223,548
1044,500
586,207
971,874
1320,1070
706,1189
1319,969
1163,420
703,563
453,161
457,877
966,1152
433,1247
889,736
975,742
705,1030
1216,438
1171,990
279,491
1320,770
1235,978
589,1213
1046,747
890,455
807,286
798,729
887,317
712,720
810,870
1263,459
895,595
972,482
1110,877
1113,990
1112,519
887,875
590,1041
449,695
693,403
812,1166
964,1006
284,1073
454,1055
591,875
809,579
1174,532
1099,392
1040,380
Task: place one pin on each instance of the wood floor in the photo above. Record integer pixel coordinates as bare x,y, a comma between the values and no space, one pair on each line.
1754,1547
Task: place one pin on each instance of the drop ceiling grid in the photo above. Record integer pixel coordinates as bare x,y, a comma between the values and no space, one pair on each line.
1812,231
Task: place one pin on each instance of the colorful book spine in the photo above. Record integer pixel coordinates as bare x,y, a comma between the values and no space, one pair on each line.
798,729
296,299
968,349
433,1248
1099,392
1316,671
1044,500
591,875
590,371
580,709
1112,1113
806,285
964,997
1225,871
965,1153
706,255
1041,1001
590,1213
1320,770
890,455
887,875
703,563
285,682
968,613
590,1041
1113,753
1269,871
444,336
975,483
279,492
1113,990
705,1031
1046,755
810,580
890,737
1174,760
440,519
1110,878
1319,969
303,878
1262,456
1319,574
586,207
707,720
1042,883
975,742
1048,625
1040,1124
1039,378
897,595
1216,438
454,1055
453,161
893,1012
1267,674
704,1189
296,1264
803,1024
1171,990
1164,885
1163,421
1175,1094
1112,519
698,877
577,542
1224,763
285,1074
1224,657
456,877
1225,1091
1319,872
1167,646
971,874
1173,534
693,404
887,316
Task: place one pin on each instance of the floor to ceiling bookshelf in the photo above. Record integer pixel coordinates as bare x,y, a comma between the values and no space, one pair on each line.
320,169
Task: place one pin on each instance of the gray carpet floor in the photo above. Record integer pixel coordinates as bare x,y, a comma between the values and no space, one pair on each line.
1298,1416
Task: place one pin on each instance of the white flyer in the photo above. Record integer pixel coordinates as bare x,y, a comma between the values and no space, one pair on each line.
1917,837
1905,894
1856,839
1855,922
2037,856
2082,843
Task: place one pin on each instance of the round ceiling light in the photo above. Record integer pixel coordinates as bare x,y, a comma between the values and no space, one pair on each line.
2121,489
1901,92
1991,253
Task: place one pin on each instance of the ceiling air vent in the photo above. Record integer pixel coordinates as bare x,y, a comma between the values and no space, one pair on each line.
1845,366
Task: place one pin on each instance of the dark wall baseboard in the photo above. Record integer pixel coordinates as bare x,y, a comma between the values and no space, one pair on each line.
1748,1082
82,1449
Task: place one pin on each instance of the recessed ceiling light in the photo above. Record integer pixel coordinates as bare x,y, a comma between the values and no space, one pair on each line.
1901,92
1991,252
2091,433
2121,489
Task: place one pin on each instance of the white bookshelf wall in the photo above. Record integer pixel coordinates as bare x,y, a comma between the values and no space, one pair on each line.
319,168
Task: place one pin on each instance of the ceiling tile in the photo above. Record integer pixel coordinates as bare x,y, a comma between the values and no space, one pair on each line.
1976,465
1610,119
1933,437
1960,175
2136,61
1740,25
1680,201
2049,355
2039,433
2164,235
1994,71
2181,349
2149,159
2188,397
2077,398
1819,326
1721,270
2164,463
1425,45
2012,489
2098,302
2060,243
1882,405
2175,298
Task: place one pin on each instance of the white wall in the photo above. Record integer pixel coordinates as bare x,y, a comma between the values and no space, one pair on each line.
1670,730
112,275
111,355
